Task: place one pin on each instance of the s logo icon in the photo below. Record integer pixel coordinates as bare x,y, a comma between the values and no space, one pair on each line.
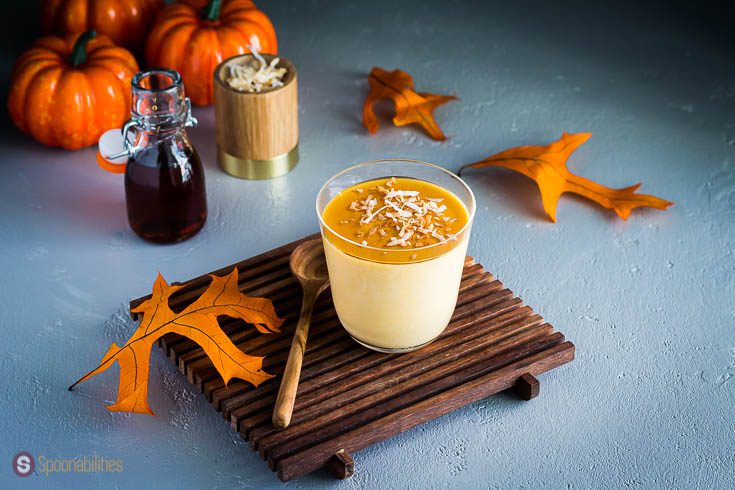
23,463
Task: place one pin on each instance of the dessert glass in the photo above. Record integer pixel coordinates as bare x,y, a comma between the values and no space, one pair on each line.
395,299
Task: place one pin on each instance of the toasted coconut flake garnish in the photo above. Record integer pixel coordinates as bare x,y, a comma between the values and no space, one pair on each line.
392,194
407,211
396,241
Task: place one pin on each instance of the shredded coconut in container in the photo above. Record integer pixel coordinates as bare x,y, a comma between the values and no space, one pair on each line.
255,75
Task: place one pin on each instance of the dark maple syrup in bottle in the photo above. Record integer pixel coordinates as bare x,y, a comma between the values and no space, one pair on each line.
164,178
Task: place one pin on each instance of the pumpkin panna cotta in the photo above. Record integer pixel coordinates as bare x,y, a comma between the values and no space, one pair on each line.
395,250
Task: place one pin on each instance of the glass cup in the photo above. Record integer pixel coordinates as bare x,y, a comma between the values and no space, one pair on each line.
395,299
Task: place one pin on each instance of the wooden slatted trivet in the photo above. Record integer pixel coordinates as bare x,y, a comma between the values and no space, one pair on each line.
350,397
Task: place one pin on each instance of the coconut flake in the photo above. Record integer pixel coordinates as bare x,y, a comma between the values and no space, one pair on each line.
255,75
411,215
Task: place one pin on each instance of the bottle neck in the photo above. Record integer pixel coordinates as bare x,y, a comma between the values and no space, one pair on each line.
160,128
159,104
160,110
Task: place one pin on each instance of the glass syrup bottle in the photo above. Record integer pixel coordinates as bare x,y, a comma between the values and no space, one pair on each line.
164,179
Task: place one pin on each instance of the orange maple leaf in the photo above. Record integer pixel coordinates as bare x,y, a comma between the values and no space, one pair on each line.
547,165
198,321
411,106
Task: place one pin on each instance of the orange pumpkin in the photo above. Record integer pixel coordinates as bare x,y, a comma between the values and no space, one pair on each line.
67,92
126,22
193,40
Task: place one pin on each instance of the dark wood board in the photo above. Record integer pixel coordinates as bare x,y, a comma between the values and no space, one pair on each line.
350,397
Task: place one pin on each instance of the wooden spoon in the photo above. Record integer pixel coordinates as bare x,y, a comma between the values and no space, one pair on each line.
309,266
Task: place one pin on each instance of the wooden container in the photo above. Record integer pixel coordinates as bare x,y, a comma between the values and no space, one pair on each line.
257,133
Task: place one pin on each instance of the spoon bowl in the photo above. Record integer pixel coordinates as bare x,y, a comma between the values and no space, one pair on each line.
308,262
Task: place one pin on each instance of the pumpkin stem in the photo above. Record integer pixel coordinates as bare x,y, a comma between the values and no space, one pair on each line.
79,51
211,11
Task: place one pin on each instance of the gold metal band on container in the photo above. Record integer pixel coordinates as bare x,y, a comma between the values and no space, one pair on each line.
245,168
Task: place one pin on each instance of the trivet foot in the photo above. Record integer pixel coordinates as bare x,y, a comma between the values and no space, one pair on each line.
341,465
527,386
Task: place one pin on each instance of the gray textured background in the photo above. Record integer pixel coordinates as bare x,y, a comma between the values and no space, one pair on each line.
649,302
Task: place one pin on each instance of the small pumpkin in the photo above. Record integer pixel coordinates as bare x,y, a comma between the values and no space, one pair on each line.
193,37
67,91
126,22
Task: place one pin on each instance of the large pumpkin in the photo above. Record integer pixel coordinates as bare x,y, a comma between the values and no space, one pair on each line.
126,22
67,92
193,37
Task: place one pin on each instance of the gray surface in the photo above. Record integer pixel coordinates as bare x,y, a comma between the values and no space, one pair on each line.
649,302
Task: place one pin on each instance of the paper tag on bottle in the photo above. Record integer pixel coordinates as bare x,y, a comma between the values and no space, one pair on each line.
111,147
111,152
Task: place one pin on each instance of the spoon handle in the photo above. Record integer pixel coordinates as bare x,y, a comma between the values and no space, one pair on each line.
290,381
